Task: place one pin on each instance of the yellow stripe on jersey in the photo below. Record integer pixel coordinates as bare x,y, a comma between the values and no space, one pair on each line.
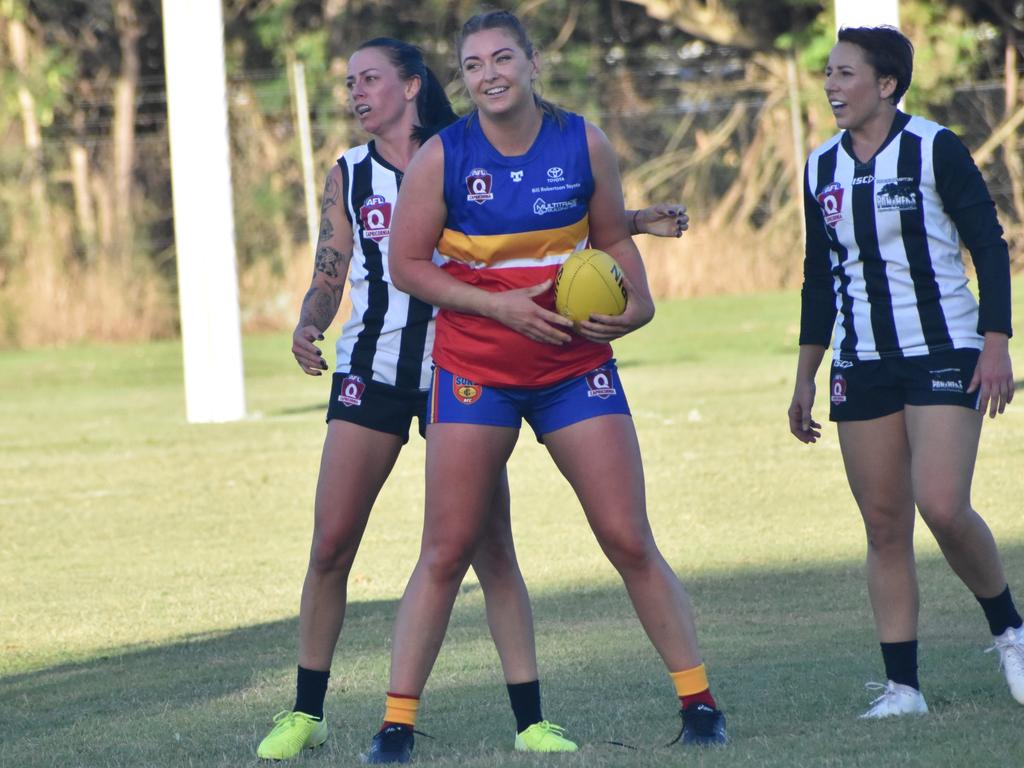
491,250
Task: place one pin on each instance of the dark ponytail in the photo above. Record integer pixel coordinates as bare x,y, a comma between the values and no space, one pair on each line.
432,106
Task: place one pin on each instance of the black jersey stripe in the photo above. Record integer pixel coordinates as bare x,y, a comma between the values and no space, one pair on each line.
876,284
377,305
827,163
344,189
915,242
414,338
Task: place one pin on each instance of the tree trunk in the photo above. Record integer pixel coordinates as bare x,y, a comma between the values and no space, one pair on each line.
1011,153
33,167
125,90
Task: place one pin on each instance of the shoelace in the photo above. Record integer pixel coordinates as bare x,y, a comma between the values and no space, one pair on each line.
1012,649
547,727
287,714
886,688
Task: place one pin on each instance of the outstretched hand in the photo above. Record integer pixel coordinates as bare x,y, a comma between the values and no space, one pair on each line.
663,220
606,328
517,309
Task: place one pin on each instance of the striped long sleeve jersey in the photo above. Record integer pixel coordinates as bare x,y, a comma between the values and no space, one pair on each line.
882,265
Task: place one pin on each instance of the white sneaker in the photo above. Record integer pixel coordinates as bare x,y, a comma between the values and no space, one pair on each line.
1010,645
896,699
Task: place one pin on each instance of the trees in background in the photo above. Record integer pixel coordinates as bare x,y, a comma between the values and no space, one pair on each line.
713,102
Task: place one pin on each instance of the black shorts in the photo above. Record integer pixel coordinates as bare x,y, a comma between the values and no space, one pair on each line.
376,406
869,389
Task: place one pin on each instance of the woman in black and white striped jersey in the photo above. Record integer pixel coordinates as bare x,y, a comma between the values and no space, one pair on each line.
916,360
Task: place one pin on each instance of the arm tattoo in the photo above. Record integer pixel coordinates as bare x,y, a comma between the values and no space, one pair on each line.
328,260
331,191
319,306
326,229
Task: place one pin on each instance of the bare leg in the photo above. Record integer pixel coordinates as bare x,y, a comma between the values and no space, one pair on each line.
464,467
600,457
944,446
355,463
509,615
876,455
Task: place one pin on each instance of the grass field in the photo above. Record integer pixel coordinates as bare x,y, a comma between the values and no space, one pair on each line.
150,572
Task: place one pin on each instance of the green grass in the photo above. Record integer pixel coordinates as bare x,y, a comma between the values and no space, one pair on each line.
150,571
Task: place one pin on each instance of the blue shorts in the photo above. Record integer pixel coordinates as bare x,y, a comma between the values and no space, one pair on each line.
376,406
457,400
869,389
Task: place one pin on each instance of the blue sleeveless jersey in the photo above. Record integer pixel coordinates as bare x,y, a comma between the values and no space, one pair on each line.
512,221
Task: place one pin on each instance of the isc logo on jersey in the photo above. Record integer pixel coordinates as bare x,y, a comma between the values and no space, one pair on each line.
479,185
831,201
375,214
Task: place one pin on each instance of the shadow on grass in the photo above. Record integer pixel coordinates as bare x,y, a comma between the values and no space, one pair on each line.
802,636
298,410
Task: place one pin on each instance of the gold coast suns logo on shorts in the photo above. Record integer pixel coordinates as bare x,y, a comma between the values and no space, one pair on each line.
465,391
352,388
599,384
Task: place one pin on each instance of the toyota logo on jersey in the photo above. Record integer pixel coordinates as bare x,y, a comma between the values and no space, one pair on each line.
831,201
479,185
375,214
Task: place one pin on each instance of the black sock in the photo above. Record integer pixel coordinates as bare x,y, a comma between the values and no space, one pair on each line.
1000,611
901,662
525,699
310,690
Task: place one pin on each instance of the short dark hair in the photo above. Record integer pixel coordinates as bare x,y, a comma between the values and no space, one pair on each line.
888,51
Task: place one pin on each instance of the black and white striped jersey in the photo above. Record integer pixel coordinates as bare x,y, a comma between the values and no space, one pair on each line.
882,263
389,335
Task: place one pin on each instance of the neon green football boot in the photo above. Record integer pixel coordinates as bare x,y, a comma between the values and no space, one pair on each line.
292,733
544,737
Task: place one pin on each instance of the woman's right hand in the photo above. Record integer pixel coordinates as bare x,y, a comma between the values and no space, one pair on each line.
517,309
804,428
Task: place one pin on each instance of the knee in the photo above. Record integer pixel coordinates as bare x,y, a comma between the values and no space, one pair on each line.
889,528
332,551
630,551
446,561
945,514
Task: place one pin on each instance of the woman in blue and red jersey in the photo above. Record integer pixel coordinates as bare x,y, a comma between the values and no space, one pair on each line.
505,195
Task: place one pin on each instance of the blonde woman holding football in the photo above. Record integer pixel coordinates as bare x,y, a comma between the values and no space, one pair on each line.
379,387
505,195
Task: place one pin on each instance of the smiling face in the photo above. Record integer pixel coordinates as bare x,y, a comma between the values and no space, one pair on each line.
857,95
497,72
378,96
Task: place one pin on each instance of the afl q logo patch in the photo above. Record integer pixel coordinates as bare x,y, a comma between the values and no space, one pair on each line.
838,389
352,388
375,214
831,201
479,185
599,383
465,391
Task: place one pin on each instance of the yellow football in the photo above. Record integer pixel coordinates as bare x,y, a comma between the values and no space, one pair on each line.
589,283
